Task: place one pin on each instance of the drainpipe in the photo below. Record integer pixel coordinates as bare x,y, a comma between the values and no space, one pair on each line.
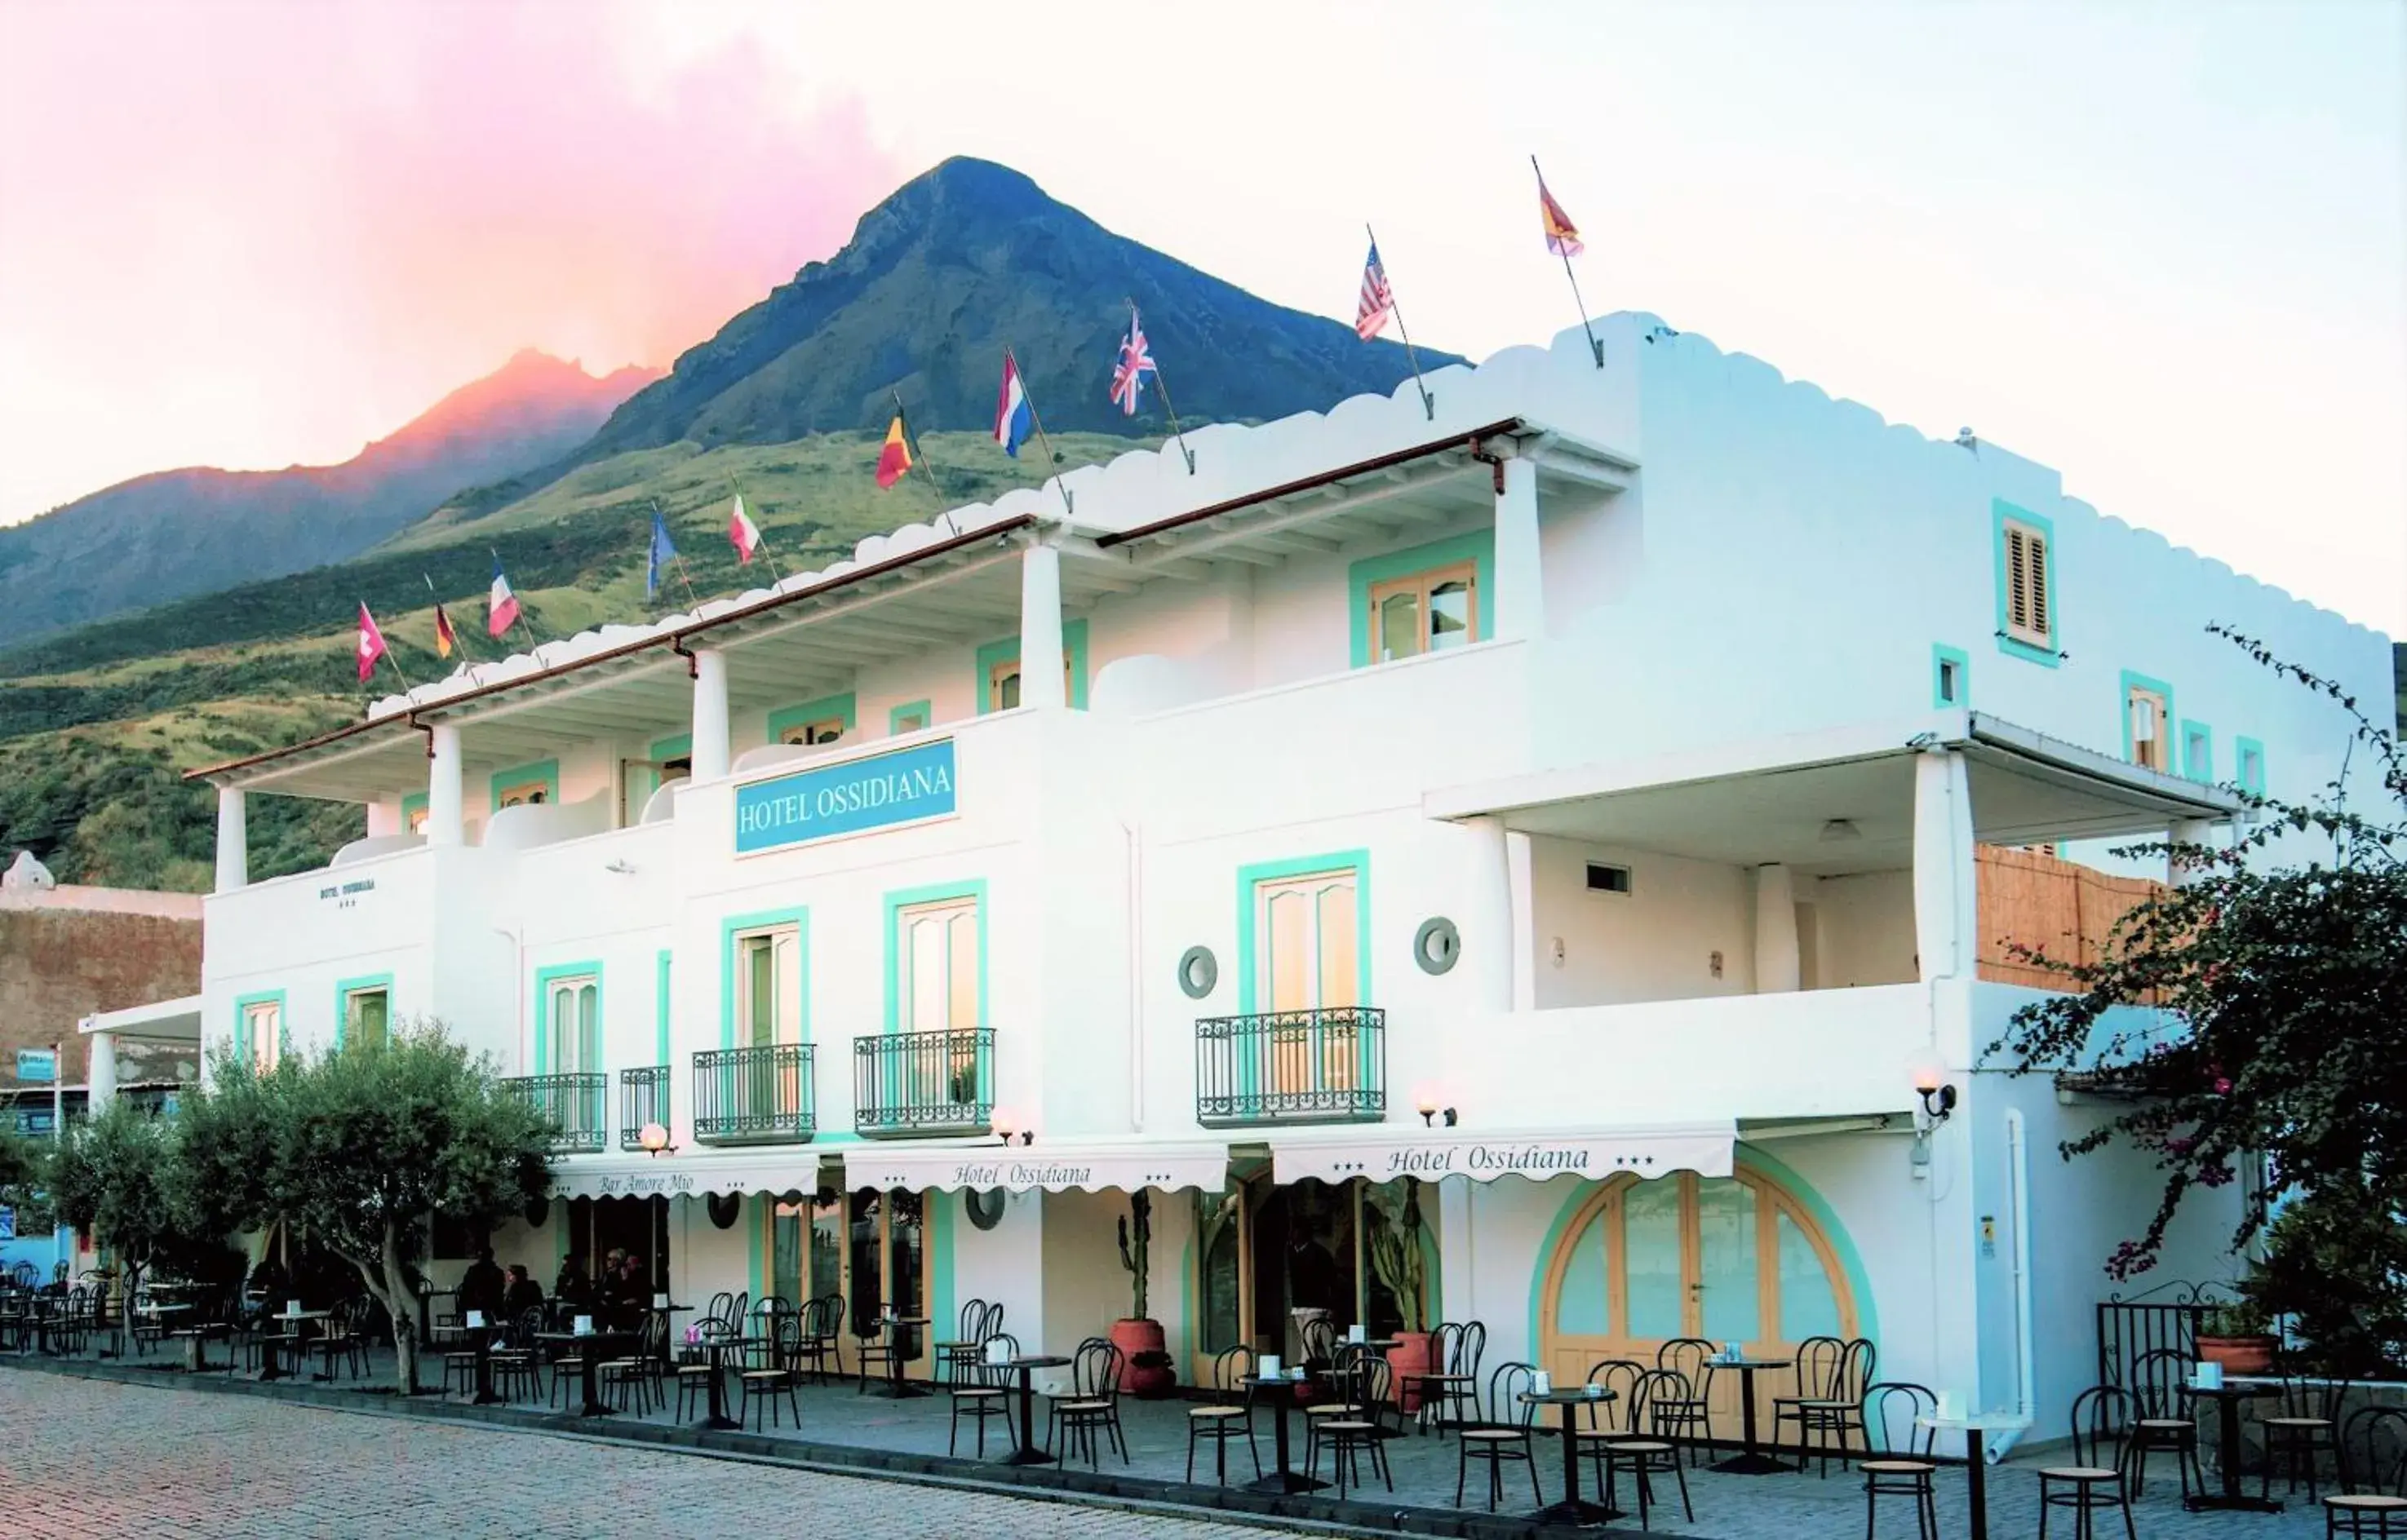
1494,462
1135,836
2026,1369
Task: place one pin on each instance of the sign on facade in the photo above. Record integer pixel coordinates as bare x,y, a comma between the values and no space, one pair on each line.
904,787
38,1065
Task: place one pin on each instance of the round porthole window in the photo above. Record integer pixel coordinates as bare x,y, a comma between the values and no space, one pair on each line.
1437,945
1198,972
985,1207
725,1209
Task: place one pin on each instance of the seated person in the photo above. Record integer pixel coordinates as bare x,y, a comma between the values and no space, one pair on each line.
524,1293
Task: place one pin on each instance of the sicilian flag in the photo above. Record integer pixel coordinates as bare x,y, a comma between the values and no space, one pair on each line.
1014,417
447,641
371,644
501,605
894,457
1563,236
742,532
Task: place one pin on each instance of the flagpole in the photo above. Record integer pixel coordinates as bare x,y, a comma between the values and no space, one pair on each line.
678,556
1429,403
1596,348
777,577
919,457
1038,420
1162,382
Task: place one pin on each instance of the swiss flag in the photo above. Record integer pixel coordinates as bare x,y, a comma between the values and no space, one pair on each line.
371,644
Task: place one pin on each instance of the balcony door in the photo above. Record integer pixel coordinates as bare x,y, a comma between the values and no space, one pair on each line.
1309,963
575,1011
769,1015
936,985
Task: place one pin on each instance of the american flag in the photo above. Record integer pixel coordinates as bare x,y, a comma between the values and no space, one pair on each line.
1378,301
1136,362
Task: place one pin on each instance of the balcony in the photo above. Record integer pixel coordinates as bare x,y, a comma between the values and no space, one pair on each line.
573,1103
1292,1067
754,1095
905,1084
643,1098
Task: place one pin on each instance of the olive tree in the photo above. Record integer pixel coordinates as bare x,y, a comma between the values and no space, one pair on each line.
117,1177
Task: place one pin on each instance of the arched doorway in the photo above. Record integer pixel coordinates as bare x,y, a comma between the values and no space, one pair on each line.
1728,1259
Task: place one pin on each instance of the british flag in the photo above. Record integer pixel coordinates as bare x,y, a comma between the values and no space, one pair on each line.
1378,301
1136,362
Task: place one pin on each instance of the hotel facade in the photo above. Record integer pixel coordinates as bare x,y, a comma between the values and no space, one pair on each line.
1595,800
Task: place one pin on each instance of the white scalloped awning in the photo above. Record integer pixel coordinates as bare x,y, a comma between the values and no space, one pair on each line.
1591,1155
1127,1165
693,1173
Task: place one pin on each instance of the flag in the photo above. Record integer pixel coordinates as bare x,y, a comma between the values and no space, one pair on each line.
501,605
663,552
371,644
895,458
1378,301
1014,418
447,641
1136,362
742,533
1563,236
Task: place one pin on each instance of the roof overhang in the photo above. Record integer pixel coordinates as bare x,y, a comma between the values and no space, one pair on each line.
167,1020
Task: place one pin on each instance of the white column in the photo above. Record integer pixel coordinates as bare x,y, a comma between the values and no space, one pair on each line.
234,841
2189,831
1947,921
709,714
443,809
1776,957
100,1069
1525,920
1519,602
384,818
1040,629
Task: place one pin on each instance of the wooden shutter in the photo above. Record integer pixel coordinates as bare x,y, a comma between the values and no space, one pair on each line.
2028,600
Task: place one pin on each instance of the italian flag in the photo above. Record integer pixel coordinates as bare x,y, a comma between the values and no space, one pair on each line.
743,532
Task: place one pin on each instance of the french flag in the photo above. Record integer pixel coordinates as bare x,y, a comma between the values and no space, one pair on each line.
1014,417
501,605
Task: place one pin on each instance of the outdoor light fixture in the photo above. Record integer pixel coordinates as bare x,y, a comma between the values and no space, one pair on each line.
655,1140
1938,1097
1841,828
1430,1109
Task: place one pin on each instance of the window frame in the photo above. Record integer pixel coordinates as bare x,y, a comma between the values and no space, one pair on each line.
541,773
831,711
1424,585
2248,765
1944,658
244,1042
1253,946
734,930
896,716
2168,721
1478,547
1001,658
2032,646
347,990
548,984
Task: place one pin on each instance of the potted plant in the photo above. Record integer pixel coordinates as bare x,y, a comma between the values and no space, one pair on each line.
1401,1266
1145,1369
2239,1336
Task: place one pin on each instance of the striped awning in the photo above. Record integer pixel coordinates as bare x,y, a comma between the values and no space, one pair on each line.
1127,1165
1592,1155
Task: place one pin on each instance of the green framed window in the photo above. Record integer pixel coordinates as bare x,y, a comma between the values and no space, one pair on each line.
568,1018
2198,751
998,669
1951,678
363,1011
2249,768
2025,547
765,978
2148,723
1424,599
260,1036
825,720
526,785
413,813
910,716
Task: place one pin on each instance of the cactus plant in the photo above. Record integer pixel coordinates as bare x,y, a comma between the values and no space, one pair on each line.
1397,1259
1136,1246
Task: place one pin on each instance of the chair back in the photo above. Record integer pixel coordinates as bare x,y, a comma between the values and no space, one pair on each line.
1095,1370
741,1310
1372,1386
824,1327
1890,1406
2374,1452
2157,1379
992,1324
25,1275
1231,1368
2322,1398
1687,1355
1819,1362
1506,1407
720,1305
1666,1389
1445,1345
1320,1341
1469,1348
2102,1425
1856,1370
984,1373
1620,1377
972,1322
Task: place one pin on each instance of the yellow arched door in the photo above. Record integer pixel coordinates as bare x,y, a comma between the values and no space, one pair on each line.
1728,1259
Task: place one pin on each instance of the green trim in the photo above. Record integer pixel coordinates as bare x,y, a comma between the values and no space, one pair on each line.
1478,547
660,1005
2242,748
902,898
666,748
2123,704
1252,876
768,919
894,715
1943,654
544,978
346,988
1073,641
545,771
838,706
242,1004
2000,511
936,1239
414,803
1843,1246
2199,768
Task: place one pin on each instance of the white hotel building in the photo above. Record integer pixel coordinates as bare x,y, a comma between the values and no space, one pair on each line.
1608,760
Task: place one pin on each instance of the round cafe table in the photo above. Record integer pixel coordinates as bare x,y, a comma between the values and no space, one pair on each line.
1026,1452
1572,1509
591,1347
896,1387
1749,1460
1976,1494
2227,1398
1279,1389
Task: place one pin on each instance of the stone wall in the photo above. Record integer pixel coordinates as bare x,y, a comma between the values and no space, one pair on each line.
63,959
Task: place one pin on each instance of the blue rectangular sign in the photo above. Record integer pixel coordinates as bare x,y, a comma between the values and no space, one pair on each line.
38,1065
902,787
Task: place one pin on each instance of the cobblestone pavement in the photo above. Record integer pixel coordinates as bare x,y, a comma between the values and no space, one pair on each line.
86,1457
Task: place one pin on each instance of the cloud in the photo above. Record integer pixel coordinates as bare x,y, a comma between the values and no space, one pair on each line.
253,234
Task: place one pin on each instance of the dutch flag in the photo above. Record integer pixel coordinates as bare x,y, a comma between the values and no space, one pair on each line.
501,605
1014,417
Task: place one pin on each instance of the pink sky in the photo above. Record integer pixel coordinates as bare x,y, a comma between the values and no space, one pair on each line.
251,232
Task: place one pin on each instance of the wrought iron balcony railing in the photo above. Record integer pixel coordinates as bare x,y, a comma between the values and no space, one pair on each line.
906,1084
643,1097
572,1102
754,1095
1292,1067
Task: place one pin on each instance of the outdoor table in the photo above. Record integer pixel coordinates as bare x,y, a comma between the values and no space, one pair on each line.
2227,1398
425,1328
1027,1453
1280,1389
1749,1460
593,1344
664,1311
716,1347
1572,1509
1976,1494
896,1387
297,1341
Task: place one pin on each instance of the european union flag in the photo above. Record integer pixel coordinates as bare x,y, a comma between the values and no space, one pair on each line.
663,552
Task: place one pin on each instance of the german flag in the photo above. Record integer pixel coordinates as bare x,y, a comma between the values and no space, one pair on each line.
447,641
895,458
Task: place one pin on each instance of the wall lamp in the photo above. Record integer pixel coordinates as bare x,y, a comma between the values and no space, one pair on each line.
1938,1097
1429,1110
1003,1131
655,1140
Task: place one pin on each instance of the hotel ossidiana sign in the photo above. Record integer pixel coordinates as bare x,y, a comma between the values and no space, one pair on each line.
907,787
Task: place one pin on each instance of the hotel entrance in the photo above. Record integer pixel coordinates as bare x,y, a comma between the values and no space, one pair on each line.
1273,1257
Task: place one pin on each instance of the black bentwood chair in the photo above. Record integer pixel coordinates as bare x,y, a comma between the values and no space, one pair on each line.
1898,1460
1362,1431
2372,1454
2306,1426
1654,1452
1228,1414
1504,1440
2163,1419
2101,1454
979,1390
1093,1404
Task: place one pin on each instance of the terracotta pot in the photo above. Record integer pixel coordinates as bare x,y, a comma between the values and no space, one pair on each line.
1410,1356
2240,1355
1132,1338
